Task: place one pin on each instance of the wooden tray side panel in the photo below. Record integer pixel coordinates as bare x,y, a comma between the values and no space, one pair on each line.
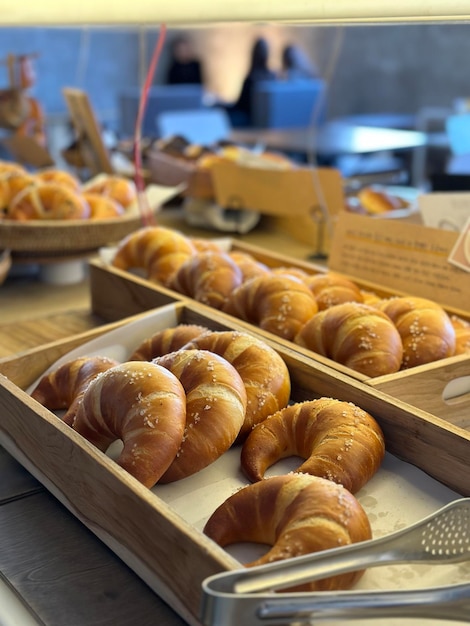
116,294
171,556
426,387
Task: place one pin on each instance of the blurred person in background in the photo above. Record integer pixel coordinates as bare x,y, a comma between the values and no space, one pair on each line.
184,68
296,64
240,112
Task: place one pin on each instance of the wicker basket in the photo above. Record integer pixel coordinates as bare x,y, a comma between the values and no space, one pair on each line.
71,236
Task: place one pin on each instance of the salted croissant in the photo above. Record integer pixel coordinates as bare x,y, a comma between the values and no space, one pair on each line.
276,303
249,266
356,335
142,404
63,388
215,409
338,440
462,334
157,250
208,277
296,514
166,340
425,329
331,288
263,371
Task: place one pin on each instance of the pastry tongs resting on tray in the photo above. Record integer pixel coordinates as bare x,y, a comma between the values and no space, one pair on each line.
247,597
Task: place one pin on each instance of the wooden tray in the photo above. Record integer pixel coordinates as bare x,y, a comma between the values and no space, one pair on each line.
166,551
116,294
169,553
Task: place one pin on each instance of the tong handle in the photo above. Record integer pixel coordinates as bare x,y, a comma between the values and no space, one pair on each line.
402,546
448,603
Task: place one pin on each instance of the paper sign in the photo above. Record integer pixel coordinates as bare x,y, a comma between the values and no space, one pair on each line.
448,211
403,257
460,254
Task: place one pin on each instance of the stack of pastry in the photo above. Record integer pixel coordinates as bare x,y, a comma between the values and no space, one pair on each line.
187,394
326,313
54,194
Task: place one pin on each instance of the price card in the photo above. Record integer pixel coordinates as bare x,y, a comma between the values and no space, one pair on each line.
448,211
460,253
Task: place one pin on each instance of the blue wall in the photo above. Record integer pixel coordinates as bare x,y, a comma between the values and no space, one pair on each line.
100,61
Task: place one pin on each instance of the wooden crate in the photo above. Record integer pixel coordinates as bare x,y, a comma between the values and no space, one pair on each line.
166,551
116,294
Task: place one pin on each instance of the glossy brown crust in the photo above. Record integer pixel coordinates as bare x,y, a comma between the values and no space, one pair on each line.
63,388
424,327
61,177
166,340
142,404
331,288
116,187
338,440
276,303
248,265
462,334
215,409
296,514
11,184
157,250
48,201
264,373
356,335
103,207
208,277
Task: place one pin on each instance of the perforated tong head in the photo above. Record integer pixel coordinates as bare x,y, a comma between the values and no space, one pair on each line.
248,596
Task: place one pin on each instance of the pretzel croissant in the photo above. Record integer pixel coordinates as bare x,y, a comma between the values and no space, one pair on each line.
166,340
208,277
276,303
339,441
296,514
425,329
332,288
144,405
356,335
215,409
263,371
462,334
157,250
64,387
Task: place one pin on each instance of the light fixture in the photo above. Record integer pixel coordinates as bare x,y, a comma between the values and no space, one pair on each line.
186,12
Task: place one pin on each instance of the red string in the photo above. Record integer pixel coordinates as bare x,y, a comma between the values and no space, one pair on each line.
145,211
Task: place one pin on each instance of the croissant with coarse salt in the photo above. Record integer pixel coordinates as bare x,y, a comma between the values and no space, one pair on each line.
294,514
332,288
143,405
250,267
264,373
356,335
425,329
215,409
276,303
63,388
338,440
157,250
462,334
166,340
208,277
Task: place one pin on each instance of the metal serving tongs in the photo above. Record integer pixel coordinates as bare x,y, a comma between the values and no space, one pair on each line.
247,597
